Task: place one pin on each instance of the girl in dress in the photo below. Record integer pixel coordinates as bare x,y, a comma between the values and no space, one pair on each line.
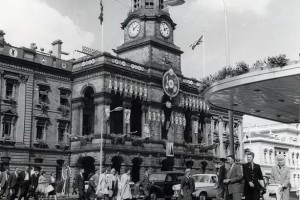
42,184
125,192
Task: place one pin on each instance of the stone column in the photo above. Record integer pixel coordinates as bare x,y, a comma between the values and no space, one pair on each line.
77,112
144,118
221,131
195,128
21,108
101,103
126,105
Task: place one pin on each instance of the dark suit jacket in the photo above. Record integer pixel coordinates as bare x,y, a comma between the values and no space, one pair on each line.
13,181
236,179
252,175
34,180
222,175
22,175
145,183
79,182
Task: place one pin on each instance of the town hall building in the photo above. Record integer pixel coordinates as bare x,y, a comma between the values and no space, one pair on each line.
54,112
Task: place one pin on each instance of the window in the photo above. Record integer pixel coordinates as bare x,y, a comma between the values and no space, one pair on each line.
43,95
87,124
63,128
136,4
149,4
64,98
41,128
9,90
7,125
161,4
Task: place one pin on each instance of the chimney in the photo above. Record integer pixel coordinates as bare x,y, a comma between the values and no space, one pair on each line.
57,48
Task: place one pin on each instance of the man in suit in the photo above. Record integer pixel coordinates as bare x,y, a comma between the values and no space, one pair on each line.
234,179
253,178
79,184
145,183
221,177
4,176
280,174
13,184
24,183
34,181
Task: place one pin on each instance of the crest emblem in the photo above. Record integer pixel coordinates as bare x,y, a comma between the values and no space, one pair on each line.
171,83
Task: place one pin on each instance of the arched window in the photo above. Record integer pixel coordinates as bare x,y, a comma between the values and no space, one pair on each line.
136,117
116,118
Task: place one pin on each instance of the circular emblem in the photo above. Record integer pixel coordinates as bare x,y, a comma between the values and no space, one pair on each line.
171,83
13,52
63,65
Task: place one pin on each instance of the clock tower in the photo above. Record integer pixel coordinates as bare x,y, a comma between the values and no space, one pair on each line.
149,36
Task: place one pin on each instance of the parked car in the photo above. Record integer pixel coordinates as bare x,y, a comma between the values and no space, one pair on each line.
204,184
161,184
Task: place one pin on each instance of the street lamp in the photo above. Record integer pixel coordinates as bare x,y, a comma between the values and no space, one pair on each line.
101,140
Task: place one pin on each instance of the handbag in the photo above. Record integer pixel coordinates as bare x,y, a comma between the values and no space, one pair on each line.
49,188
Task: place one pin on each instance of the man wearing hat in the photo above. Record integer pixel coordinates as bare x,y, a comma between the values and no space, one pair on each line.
221,177
280,174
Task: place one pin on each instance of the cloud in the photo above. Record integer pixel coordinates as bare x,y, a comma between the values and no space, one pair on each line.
33,21
258,7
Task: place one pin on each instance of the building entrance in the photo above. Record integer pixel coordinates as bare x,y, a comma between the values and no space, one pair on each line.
88,164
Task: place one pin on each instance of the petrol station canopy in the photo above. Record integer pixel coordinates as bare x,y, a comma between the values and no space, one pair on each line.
269,93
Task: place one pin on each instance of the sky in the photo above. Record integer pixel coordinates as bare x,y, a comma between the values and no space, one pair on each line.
256,29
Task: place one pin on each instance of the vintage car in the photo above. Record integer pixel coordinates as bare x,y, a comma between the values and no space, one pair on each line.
205,186
161,184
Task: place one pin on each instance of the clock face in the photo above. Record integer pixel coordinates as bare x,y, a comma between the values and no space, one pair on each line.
164,29
134,29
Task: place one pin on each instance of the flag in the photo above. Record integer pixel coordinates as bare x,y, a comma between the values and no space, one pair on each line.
199,41
101,12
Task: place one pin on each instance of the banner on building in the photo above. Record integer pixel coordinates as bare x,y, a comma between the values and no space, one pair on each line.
170,149
127,115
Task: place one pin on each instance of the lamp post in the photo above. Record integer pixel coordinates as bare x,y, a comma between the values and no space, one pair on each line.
101,140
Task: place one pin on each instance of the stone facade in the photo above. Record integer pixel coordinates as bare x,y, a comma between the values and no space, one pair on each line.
60,109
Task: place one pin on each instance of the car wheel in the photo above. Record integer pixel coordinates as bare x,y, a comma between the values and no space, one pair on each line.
203,196
153,196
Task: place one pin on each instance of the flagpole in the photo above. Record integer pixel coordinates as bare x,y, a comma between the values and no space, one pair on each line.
203,46
102,31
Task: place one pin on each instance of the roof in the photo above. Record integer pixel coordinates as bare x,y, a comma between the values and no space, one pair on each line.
271,93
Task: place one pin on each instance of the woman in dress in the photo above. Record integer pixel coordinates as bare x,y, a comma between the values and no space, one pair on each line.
52,183
187,185
42,184
125,192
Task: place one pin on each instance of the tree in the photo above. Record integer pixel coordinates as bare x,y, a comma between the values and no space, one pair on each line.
277,61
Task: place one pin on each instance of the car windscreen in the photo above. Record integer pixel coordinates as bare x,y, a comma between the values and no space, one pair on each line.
201,178
157,177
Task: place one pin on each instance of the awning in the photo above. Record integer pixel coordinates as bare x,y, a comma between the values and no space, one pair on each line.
272,93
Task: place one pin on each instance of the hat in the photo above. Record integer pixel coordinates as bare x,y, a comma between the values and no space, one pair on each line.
223,159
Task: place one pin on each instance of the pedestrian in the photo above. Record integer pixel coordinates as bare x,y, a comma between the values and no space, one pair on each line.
221,178
234,180
102,186
187,186
91,190
13,184
280,174
34,181
52,183
125,191
42,184
4,184
144,183
112,184
253,178
24,183
79,184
